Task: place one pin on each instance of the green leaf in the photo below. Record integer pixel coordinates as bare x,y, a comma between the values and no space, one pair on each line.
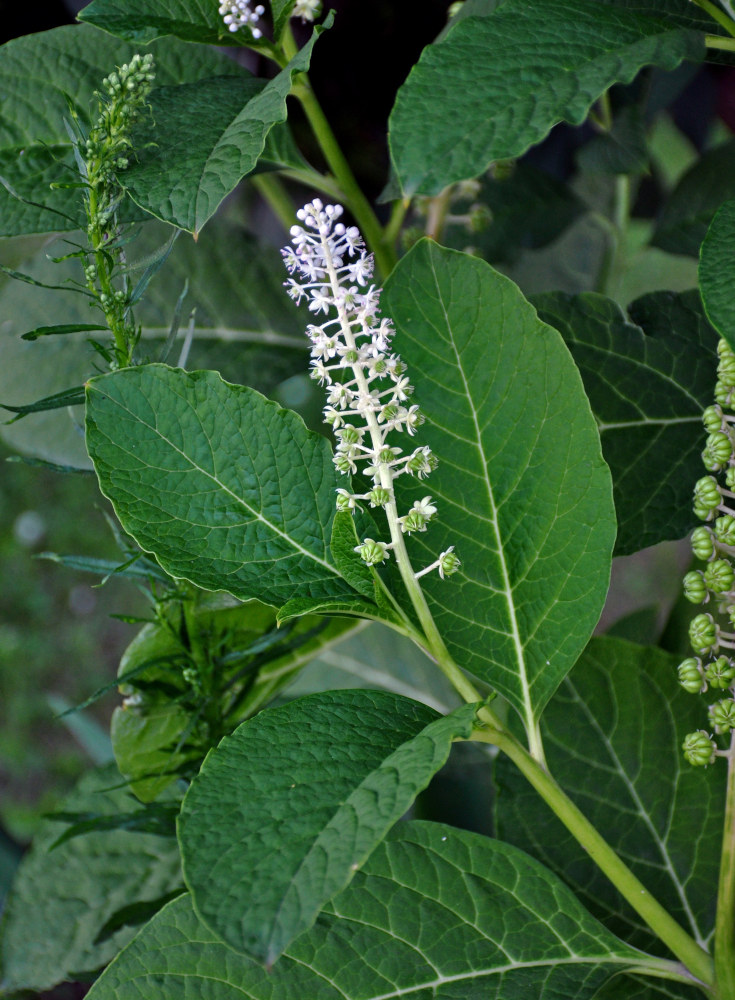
142,21
204,138
348,562
717,272
60,329
630,987
496,85
67,397
228,490
286,809
613,737
522,489
28,204
690,209
253,661
648,385
61,899
436,912
622,150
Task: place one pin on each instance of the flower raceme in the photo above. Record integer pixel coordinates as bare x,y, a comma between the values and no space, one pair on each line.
369,396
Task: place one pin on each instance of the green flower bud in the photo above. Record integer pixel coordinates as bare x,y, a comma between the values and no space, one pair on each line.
345,500
703,634
372,552
703,546
690,675
379,496
712,419
351,357
706,493
695,589
725,529
413,521
722,715
719,576
387,454
699,748
448,562
720,673
343,463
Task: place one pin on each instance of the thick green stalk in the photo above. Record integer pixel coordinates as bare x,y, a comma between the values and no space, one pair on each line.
717,42
717,15
686,949
725,920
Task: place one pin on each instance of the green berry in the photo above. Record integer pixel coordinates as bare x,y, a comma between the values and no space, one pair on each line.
718,450
703,546
720,673
706,493
703,633
695,589
378,496
726,370
712,419
372,552
690,675
699,748
722,715
725,529
719,576
723,394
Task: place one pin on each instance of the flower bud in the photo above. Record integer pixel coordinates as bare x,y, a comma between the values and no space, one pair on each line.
718,576
703,634
720,673
690,675
345,500
722,715
699,748
448,562
695,589
703,546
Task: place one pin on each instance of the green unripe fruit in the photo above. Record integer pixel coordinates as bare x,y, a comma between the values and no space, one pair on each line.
348,434
695,589
730,478
719,576
726,370
720,673
703,633
699,749
723,394
725,529
712,419
706,493
690,675
703,546
722,715
718,448
379,496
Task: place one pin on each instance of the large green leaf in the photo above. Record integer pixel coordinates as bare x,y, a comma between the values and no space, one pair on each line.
693,203
245,326
613,737
647,385
61,898
227,489
39,75
522,489
626,987
204,139
496,85
436,912
142,21
717,272
286,809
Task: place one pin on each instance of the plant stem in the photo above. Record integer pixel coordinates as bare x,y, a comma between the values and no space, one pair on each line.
616,229
686,949
725,920
438,208
271,188
717,15
717,42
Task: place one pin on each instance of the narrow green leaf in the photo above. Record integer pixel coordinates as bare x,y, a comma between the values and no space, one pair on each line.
613,737
522,490
227,489
60,329
138,568
47,935
286,809
648,382
717,272
695,199
437,912
68,397
497,84
208,136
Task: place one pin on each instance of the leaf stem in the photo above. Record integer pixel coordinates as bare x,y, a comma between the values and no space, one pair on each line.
718,42
717,15
683,946
725,919
271,188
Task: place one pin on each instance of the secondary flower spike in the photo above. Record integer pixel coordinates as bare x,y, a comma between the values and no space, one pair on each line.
368,390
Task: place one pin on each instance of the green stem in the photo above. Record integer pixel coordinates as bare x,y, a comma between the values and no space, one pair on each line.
725,920
686,949
717,42
271,188
397,215
616,228
437,214
717,15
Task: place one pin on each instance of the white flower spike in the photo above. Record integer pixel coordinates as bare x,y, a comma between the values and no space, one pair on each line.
237,14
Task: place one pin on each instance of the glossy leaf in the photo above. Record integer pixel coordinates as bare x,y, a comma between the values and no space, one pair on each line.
436,912
613,737
48,936
459,109
287,808
227,489
521,488
647,383
692,205
203,139
717,272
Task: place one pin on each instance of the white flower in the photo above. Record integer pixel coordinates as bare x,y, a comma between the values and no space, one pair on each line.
237,14
307,10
